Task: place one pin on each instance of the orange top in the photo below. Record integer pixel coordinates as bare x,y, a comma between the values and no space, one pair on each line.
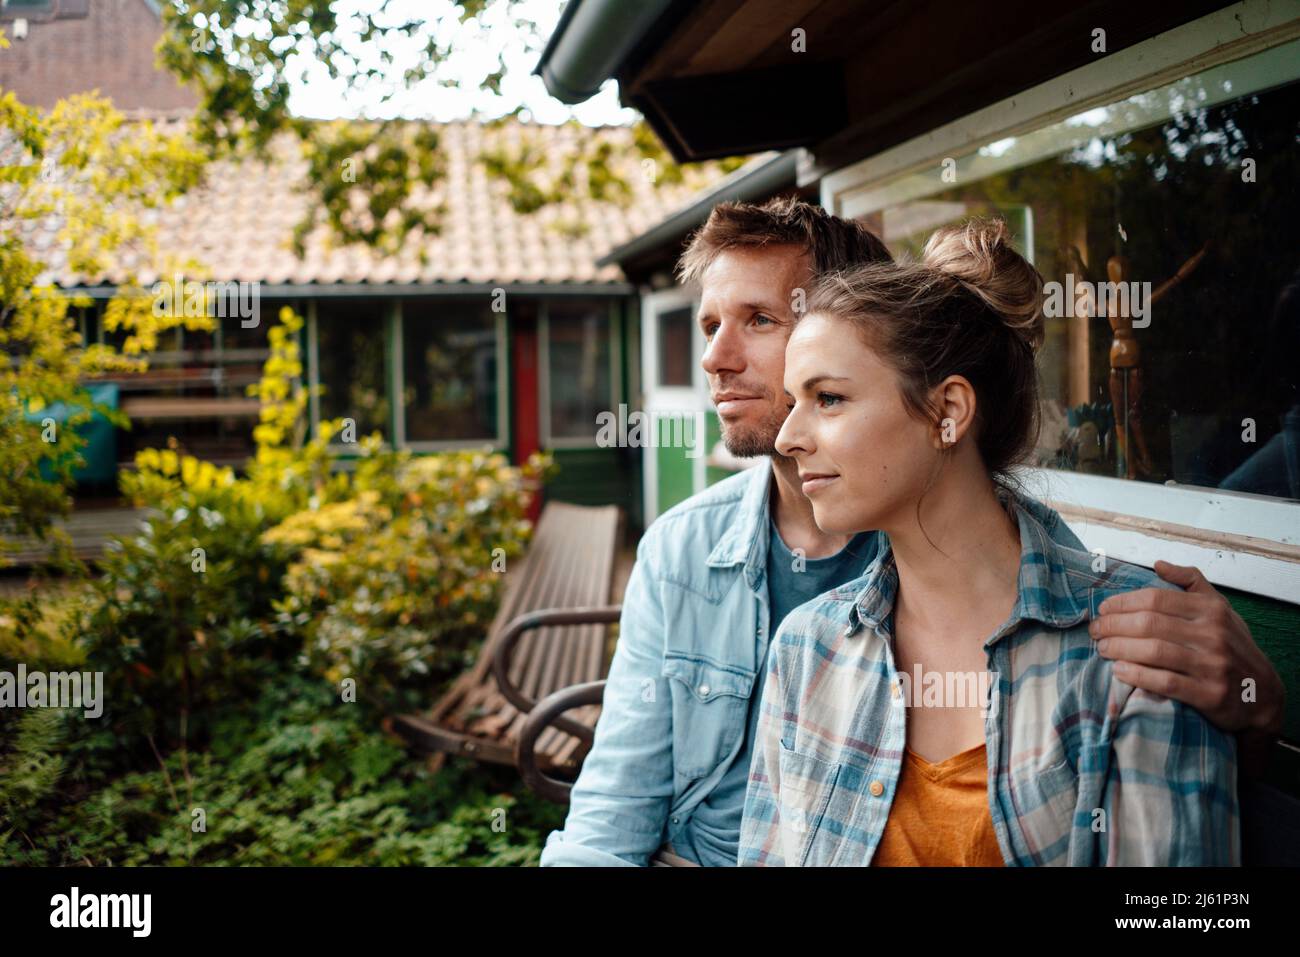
940,815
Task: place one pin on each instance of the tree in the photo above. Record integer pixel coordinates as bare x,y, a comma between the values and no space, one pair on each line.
82,171
242,56
77,172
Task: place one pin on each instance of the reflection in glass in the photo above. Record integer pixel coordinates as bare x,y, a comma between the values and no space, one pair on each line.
350,347
579,373
676,355
1192,216
450,360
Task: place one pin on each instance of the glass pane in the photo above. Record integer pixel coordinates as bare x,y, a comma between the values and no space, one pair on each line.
350,345
676,357
1185,368
450,358
579,369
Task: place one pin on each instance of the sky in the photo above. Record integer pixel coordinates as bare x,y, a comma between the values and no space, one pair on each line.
474,58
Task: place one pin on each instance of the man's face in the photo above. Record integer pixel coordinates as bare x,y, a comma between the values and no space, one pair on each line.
747,314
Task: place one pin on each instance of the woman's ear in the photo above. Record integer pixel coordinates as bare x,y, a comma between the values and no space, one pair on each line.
954,399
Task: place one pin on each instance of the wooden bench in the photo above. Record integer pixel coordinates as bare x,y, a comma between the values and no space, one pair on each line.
549,633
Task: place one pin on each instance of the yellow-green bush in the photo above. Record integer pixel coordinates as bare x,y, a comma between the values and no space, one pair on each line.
393,585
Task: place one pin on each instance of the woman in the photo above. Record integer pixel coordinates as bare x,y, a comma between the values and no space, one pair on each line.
948,707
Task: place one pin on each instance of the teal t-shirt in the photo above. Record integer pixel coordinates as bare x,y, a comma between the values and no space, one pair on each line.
791,581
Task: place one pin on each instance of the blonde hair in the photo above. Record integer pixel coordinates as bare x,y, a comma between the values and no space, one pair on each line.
972,306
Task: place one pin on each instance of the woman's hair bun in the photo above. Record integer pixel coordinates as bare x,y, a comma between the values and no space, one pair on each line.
979,254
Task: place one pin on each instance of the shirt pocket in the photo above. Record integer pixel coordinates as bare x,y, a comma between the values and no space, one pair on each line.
710,712
1046,802
806,784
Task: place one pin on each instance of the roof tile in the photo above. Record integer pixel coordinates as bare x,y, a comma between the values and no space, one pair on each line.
240,222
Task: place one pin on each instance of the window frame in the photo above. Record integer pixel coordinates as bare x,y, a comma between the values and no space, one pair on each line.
341,451
1239,540
548,440
657,399
397,373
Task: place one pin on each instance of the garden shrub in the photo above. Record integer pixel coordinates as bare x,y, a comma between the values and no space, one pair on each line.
224,628
394,586
298,778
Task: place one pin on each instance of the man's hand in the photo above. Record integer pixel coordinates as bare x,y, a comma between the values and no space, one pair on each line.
1192,646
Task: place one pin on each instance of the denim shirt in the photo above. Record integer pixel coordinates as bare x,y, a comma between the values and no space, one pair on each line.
1082,768
694,629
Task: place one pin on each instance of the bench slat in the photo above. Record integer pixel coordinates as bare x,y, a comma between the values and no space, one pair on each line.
570,563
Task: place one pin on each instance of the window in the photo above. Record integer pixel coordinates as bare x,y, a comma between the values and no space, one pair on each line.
578,373
1186,369
1154,177
450,366
195,386
350,335
676,353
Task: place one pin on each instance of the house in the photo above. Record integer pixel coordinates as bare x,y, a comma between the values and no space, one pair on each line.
61,47
500,331
1150,146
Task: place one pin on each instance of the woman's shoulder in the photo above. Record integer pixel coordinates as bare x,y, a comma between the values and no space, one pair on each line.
1093,576
1069,582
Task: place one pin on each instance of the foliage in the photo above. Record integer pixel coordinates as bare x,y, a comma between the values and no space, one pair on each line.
298,778
32,767
389,160
223,629
184,612
242,57
396,584
76,171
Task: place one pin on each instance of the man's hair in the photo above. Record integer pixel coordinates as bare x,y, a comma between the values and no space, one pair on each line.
832,243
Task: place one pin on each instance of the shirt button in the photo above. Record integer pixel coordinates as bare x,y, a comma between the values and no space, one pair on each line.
676,820
877,789
704,689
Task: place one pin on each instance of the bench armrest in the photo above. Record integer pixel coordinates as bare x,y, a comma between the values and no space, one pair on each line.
504,647
543,715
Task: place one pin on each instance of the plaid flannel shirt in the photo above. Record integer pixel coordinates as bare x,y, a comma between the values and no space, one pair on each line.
1083,769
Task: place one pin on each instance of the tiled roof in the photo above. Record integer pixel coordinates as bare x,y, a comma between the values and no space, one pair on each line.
240,223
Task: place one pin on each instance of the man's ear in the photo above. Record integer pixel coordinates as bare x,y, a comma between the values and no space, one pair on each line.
954,400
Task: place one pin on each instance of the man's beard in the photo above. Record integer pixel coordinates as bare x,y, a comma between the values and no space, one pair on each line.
750,441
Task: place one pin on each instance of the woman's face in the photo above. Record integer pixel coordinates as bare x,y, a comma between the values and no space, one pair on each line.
863,458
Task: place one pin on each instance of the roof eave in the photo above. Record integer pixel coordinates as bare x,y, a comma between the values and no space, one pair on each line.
777,173
590,43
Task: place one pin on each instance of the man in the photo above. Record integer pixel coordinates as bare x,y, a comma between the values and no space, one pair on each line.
716,574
